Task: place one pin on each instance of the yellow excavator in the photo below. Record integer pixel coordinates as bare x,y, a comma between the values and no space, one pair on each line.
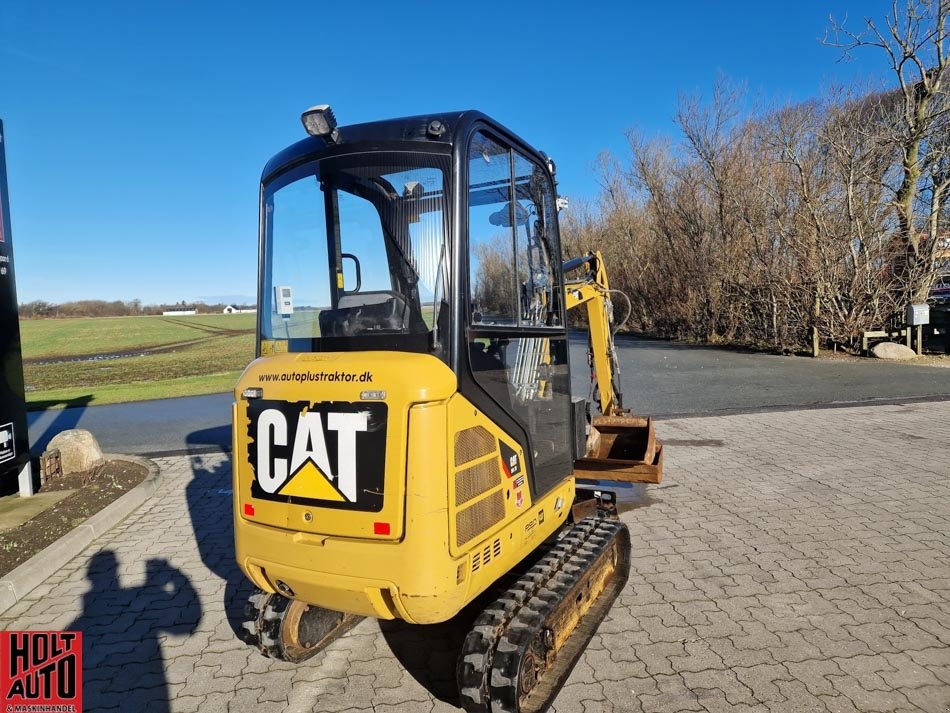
406,444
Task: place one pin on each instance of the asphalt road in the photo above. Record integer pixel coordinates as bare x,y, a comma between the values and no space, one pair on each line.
658,379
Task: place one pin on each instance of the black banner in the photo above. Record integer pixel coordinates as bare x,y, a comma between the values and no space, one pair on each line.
14,440
328,454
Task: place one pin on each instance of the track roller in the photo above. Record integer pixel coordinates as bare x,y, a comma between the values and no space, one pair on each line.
291,630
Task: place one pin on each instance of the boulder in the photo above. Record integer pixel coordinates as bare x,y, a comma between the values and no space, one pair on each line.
78,451
892,350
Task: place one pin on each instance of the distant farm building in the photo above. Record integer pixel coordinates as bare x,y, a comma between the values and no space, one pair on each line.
230,309
179,312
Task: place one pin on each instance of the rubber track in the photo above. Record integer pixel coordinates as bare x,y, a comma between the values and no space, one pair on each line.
261,625
264,615
484,671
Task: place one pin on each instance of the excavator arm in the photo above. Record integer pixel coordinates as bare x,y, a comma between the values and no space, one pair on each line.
621,446
592,290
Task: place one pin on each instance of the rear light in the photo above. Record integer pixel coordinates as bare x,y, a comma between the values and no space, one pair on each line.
249,509
380,528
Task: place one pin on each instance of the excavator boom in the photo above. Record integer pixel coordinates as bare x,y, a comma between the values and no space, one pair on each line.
621,446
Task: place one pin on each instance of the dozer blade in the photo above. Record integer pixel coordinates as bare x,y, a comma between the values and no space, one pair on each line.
622,449
523,647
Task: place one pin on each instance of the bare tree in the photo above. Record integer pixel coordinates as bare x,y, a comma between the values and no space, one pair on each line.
913,40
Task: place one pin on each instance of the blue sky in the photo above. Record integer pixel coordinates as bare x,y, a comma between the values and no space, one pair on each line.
136,131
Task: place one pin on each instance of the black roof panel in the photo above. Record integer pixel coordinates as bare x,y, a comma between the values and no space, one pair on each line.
408,128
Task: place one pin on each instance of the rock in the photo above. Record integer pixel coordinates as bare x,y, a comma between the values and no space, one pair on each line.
78,450
892,350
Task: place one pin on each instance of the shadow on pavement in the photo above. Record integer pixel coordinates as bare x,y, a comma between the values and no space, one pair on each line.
210,440
121,629
430,653
66,417
209,495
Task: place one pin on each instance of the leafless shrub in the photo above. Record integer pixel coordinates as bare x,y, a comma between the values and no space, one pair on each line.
792,227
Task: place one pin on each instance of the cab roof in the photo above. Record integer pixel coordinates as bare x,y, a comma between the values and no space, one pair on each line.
403,129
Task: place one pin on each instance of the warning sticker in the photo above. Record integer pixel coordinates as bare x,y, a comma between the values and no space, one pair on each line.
7,442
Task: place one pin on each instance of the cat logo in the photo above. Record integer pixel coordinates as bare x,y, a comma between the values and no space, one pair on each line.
326,454
510,463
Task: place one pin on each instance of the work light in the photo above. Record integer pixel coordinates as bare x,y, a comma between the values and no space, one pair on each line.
319,121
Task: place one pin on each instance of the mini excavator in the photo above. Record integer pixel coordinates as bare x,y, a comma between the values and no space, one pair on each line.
406,444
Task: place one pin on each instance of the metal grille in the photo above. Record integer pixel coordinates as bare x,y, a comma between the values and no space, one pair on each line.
473,443
477,518
474,481
490,552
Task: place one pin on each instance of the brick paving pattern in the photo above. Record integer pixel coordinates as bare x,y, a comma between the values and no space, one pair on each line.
794,561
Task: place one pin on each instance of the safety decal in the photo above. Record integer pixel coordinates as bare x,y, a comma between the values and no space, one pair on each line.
328,454
273,346
7,443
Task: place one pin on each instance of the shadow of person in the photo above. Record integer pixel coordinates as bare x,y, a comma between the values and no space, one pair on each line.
209,495
122,656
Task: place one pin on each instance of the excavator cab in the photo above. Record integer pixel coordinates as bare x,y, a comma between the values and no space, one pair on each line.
406,436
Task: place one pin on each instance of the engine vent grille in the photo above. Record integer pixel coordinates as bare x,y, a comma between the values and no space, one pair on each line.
473,443
490,552
475,480
478,517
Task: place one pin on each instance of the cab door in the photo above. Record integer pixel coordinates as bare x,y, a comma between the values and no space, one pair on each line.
515,337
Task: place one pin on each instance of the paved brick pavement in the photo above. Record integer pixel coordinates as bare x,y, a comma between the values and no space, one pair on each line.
793,561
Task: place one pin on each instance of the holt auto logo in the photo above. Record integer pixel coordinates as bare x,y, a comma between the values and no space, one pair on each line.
41,671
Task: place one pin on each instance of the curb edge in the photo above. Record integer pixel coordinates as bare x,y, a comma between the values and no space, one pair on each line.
15,585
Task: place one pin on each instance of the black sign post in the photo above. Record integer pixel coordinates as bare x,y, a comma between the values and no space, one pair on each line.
15,472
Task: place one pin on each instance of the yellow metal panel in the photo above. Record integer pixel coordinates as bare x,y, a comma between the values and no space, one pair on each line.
328,377
420,575
375,576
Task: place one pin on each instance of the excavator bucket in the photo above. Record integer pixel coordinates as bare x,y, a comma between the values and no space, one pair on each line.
622,449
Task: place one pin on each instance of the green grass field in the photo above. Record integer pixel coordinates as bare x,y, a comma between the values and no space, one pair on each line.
186,356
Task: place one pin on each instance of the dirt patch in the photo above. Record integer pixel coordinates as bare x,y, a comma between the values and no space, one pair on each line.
923,360
933,360
94,491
